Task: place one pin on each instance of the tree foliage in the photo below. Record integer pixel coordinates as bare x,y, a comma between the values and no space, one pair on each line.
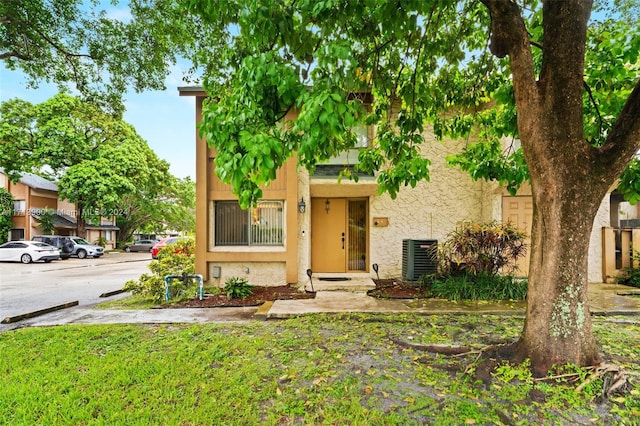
6,212
166,205
46,221
612,67
98,48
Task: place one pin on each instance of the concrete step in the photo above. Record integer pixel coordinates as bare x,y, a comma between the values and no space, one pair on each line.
355,285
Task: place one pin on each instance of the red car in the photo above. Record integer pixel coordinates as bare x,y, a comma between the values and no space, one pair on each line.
163,242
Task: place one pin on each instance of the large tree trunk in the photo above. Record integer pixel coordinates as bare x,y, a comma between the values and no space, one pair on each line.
81,222
569,178
558,322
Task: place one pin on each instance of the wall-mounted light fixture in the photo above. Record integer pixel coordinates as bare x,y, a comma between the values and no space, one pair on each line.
302,206
327,205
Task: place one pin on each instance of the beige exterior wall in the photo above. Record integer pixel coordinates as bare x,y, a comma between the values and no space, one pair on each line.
601,220
256,273
431,210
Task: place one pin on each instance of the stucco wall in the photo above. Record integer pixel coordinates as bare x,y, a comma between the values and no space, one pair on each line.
431,210
256,273
595,243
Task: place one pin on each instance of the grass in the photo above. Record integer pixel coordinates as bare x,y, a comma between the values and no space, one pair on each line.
321,369
136,301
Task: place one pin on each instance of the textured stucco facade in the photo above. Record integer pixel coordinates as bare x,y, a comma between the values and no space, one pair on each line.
431,210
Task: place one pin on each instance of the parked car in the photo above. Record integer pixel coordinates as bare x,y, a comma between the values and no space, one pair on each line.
140,245
71,246
28,251
163,242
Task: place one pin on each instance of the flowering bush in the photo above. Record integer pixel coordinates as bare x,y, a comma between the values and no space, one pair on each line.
174,259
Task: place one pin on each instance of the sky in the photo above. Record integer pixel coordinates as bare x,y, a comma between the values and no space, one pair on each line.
164,119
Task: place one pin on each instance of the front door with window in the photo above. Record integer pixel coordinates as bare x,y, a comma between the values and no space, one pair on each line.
338,235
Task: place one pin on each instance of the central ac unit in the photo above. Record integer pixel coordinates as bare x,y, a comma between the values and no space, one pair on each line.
419,257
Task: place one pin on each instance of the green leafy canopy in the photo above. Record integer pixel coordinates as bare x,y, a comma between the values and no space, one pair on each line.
96,159
394,65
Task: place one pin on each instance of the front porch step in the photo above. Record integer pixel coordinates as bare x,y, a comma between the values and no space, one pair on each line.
355,285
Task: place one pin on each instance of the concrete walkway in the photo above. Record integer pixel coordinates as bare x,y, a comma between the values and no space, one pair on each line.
605,299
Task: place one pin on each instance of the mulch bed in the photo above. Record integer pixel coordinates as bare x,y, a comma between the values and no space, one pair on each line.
396,289
258,296
385,289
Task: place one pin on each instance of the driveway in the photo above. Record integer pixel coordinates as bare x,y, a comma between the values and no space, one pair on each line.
28,288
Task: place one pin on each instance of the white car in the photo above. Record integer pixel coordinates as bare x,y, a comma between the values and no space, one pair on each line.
28,251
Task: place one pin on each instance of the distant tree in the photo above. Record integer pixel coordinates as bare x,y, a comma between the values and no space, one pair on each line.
46,220
181,207
165,205
6,212
95,158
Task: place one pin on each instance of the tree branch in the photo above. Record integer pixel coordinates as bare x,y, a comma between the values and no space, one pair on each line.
50,41
509,36
595,104
15,54
623,141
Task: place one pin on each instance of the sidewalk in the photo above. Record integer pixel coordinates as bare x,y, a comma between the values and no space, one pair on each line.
605,299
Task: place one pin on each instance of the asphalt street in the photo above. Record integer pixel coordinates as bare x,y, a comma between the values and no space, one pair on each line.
35,286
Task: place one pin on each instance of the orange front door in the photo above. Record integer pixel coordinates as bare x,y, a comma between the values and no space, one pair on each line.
338,235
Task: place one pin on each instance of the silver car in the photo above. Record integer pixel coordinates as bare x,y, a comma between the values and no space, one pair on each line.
140,245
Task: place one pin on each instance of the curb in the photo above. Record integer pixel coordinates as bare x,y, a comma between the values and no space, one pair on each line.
111,293
9,320
263,311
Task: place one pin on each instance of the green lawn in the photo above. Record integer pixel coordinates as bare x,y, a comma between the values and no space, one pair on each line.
340,369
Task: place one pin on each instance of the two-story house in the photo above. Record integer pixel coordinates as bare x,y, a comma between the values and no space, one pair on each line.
311,221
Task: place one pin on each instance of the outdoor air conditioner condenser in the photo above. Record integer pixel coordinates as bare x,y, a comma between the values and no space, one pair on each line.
419,257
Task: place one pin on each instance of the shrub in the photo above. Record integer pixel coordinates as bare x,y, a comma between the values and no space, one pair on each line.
482,249
178,259
479,287
47,218
632,275
102,242
237,288
6,212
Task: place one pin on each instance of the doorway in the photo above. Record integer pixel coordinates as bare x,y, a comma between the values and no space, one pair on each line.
519,211
339,235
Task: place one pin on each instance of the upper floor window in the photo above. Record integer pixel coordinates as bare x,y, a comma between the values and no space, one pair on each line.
257,226
19,206
348,158
362,134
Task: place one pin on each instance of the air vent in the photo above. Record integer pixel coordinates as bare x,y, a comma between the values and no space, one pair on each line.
419,257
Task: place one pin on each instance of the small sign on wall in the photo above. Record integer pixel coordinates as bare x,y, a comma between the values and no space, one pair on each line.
381,222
